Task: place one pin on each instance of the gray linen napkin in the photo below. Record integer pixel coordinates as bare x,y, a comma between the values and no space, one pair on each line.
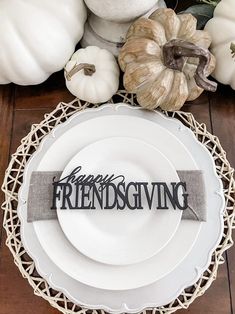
196,194
41,190
40,195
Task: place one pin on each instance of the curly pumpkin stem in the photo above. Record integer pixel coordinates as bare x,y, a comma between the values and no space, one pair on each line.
89,69
175,53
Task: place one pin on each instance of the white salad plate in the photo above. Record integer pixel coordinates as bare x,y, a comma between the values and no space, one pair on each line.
199,249
120,237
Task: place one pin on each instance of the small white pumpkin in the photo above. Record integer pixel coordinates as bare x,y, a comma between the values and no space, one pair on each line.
222,30
92,74
37,38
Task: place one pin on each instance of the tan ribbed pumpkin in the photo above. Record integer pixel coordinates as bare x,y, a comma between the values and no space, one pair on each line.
166,60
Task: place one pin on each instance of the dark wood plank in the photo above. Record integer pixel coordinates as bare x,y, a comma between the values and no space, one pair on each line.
46,95
16,295
223,121
6,120
216,299
200,110
22,124
231,262
30,106
6,116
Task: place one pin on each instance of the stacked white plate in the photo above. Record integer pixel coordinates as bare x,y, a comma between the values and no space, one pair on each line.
120,261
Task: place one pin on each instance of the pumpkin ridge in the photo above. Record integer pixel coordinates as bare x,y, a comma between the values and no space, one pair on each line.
131,52
33,50
45,37
225,40
169,21
201,38
106,80
63,12
155,92
179,93
15,62
148,29
50,10
221,8
194,90
230,74
188,26
146,78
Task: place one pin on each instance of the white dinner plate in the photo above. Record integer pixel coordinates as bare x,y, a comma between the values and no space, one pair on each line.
112,236
186,272
51,236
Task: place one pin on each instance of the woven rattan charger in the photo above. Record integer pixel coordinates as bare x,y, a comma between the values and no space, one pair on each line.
13,180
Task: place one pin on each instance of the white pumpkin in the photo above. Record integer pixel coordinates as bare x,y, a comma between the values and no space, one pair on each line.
37,38
222,30
92,74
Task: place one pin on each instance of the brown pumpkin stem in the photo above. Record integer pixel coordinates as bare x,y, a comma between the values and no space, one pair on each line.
232,48
175,53
89,69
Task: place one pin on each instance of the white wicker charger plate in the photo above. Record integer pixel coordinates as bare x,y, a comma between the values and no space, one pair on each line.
213,237
64,143
13,181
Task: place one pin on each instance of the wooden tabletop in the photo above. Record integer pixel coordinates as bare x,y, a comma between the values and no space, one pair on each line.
22,106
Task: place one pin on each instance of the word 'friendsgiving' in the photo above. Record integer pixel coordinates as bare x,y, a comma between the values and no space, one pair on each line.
81,191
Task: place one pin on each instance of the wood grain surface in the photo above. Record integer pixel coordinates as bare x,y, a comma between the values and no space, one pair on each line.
22,106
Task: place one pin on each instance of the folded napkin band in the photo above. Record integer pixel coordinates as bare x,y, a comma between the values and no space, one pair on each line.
41,191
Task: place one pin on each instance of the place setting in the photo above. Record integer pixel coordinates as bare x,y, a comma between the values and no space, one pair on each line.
113,233
118,201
